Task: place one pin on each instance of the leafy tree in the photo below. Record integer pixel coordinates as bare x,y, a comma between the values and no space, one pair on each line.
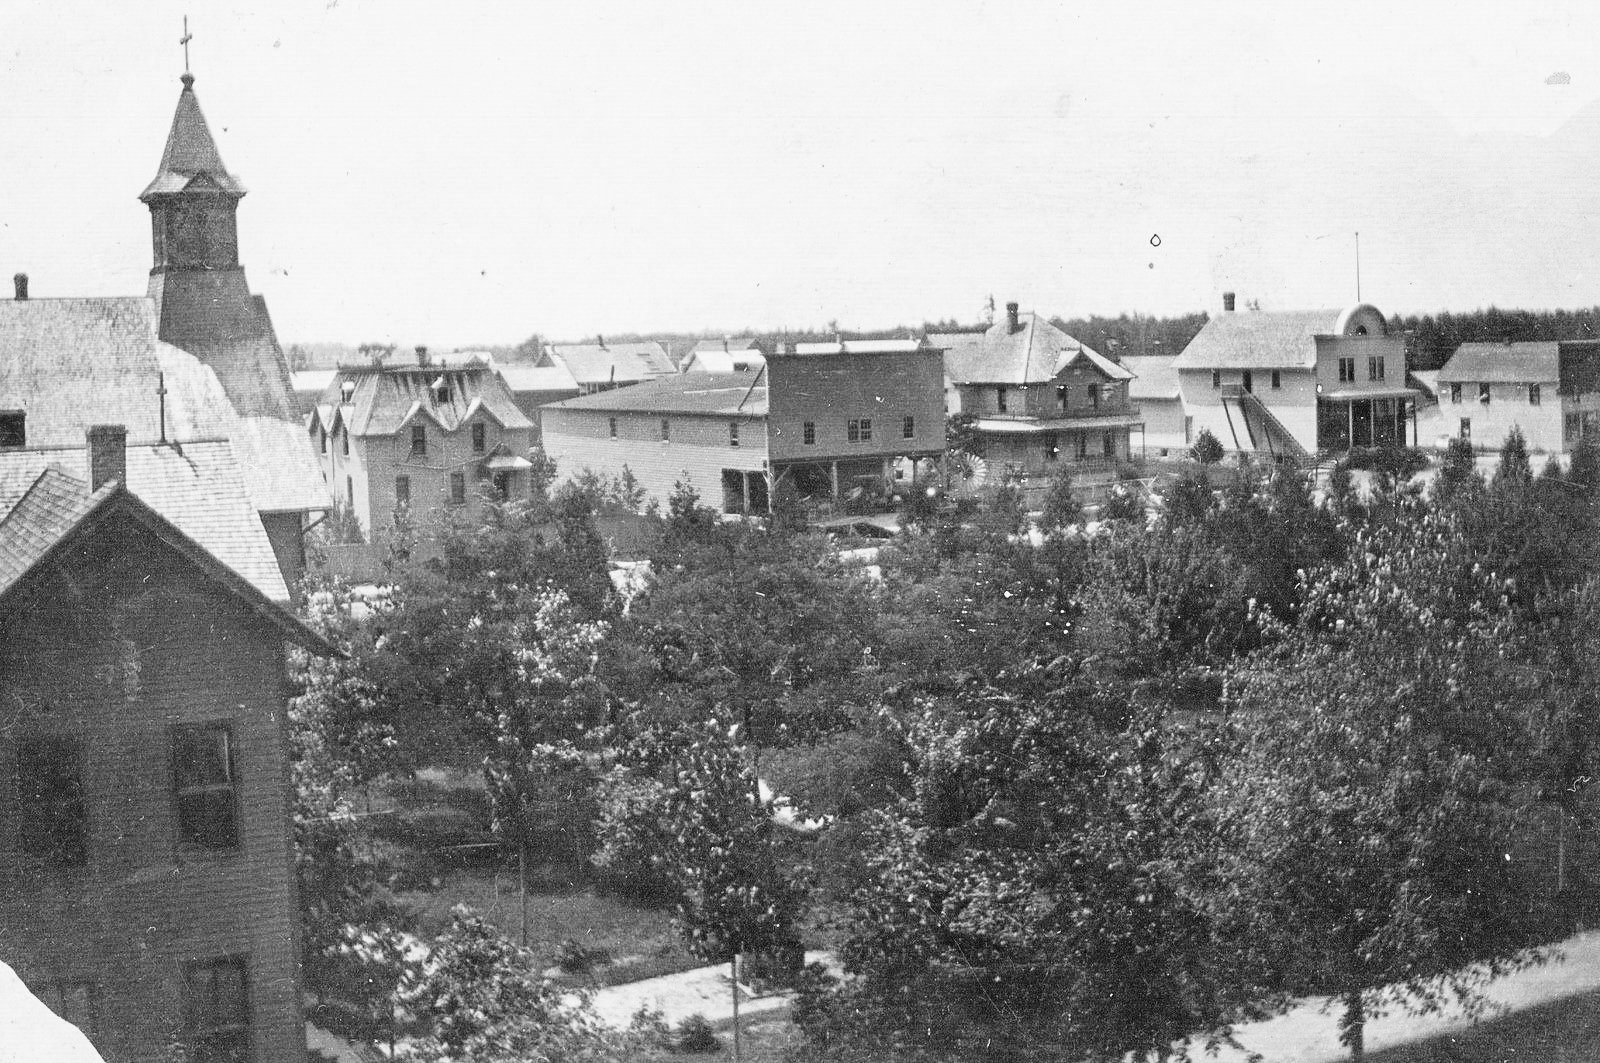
1189,498
1207,449
1061,507
1514,464
1122,504
1460,466
1370,783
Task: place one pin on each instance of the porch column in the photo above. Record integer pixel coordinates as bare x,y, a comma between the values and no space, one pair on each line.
1350,432
834,466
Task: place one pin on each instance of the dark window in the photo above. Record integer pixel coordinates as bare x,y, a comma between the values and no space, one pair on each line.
1216,378
1083,445
666,430
402,490
1375,368
1277,381
13,428
480,436
733,433
344,441
323,435
217,1003
908,428
458,489
1249,381
1000,399
852,431
1051,448
1483,393
419,441
866,430
808,433
73,1001
1533,394
1094,396
1570,429
1347,370
50,799
613,428
1455,392
350,492
1110,445
1466,429
202,768
1063,396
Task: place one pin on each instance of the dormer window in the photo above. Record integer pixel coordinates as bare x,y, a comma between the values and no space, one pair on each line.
347,391
13,428
419,441
479,438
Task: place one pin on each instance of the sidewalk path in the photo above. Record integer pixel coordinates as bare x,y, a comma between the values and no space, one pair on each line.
704,990
1308,1033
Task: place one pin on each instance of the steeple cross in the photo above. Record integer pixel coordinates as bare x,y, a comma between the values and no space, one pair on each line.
184,40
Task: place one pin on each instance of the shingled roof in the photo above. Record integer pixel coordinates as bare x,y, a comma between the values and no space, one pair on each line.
58,509
1033,354
742,394
1260,339
385,399
1536,362
71,363
190,152
1153,376
198,486
596,364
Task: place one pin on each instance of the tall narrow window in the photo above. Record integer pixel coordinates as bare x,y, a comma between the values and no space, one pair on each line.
1570,428
1277,380
1248,380
1216,378
50,801
1051,449
344,441
350,492
613,427
1466,429
419,441
733,433
808,433
322,434
1375,368
1347,370
1063,396
458,489
13,428
908,428
1533,395
402,490
1000,399
1455,392
866,430
852,431
1483,393
1109,445
202,768
1083,445
217,1003
666,430
1094,396
480,434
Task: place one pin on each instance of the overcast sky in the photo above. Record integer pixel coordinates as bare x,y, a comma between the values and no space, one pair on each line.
471,173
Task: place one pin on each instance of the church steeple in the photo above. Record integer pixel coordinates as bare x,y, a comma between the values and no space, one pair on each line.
193,198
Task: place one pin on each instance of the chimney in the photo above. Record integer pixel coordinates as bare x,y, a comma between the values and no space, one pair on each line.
422,354
108,455
1227,302
1011,317
21,281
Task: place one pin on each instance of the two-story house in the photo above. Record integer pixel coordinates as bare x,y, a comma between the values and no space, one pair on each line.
432,438
146,883
1285,385
1548,389
1039,398
828,418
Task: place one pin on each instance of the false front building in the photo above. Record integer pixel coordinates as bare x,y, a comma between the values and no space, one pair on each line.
828,419
1037,399
1286,385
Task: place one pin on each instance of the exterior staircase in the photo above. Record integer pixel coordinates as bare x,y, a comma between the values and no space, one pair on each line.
1262,427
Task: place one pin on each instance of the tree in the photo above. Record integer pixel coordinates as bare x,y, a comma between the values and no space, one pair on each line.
1370,784
1514,464
1061,507
1189,498
1207,449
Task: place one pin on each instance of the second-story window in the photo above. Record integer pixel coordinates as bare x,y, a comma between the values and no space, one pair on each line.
480,437
1375,368
50,805
322,434
1216,378
1483,393
202,770
1248,380
402,490
908,428
344,441
666,430
1000,399
733,433
1455,392
1094,396
1063,396
1277,381
852,431
613,427
1347,370
419,441
1533,394
13,428
808,433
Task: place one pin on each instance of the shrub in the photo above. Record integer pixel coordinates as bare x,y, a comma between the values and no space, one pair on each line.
696,1035
1123,504
629,857
573,958
1207,449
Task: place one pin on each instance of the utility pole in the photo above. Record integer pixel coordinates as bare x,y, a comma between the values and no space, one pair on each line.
1358,265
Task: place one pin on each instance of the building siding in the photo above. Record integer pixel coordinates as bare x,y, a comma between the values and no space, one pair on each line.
696,453
162,645
831,390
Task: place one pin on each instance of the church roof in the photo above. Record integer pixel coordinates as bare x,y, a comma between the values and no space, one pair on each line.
190,152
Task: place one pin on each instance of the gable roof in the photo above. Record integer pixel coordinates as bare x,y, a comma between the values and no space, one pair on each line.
71,363
721,361
190,152
594,364
1536,362
522,378
385,399
1033,354
743,343
59,509
741,394
1153,376
198,486
1260,339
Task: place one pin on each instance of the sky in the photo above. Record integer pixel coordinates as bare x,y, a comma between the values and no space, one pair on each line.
470,174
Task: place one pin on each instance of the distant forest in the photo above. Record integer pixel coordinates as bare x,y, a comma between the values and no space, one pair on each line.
1433,337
